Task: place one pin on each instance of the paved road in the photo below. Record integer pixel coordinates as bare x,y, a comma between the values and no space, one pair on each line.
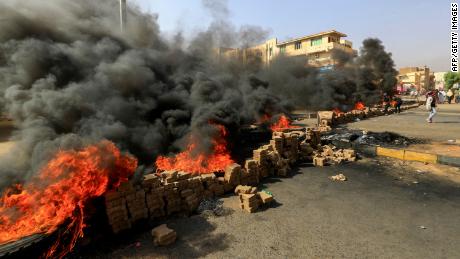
412,123
375,214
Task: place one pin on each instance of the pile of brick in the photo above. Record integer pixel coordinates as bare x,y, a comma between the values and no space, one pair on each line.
163,236
116,211
249,202
328,119
169,192
328,154
250,199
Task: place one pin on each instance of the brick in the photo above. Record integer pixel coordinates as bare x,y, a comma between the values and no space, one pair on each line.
265,197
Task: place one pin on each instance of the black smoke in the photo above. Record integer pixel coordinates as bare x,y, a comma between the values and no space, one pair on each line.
69,78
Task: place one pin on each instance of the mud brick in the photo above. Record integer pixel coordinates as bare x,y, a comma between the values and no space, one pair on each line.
115,203
207,177
244,180
349,153
319,161
247,197
212,186
232,174
282,172
162,235
328,150
351,159
265,197
259,154
249,209
228,187
125,187
156,213
168,186
111,210
181,175
181,185
250,164
208,194
198,188
151,180
221,180
219,190
339,160
339,153
158,190
130,197
140,194
263,171
170,176
253,180
243,189
112,195
251,204
186,193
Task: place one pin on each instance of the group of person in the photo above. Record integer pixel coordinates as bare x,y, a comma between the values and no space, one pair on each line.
388,101
452,95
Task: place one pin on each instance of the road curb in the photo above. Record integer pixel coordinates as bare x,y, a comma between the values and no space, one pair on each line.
401,154
410,155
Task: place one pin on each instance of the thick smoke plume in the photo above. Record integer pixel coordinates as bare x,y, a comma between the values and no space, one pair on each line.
69,78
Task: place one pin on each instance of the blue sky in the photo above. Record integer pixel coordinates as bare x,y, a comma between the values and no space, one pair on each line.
417,33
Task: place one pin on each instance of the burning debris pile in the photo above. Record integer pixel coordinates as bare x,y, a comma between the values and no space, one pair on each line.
58,194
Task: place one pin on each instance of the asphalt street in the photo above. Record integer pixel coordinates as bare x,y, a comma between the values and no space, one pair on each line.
377,213
445,126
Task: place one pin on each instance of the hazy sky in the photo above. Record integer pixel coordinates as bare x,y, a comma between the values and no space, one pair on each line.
417,32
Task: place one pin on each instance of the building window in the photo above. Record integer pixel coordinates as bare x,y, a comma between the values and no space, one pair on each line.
283,49
298,45
270,51
317,55
316,42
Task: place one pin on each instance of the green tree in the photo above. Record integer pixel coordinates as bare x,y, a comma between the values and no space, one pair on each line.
451,78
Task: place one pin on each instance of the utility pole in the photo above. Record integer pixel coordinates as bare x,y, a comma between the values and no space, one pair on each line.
123,16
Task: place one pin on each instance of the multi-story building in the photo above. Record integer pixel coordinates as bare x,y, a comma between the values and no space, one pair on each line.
418,77
315,50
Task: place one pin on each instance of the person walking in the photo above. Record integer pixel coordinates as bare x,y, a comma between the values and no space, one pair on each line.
386,102
398,104
450,95
430,105
457,95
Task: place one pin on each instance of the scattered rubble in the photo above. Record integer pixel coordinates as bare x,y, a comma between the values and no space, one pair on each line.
387,139
339,177
163,236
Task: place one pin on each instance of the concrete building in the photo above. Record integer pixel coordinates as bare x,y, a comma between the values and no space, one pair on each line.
439,80
418,77
315,50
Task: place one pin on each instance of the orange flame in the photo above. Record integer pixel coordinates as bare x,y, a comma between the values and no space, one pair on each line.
59,192
200,163
360,106
282,123
337,111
